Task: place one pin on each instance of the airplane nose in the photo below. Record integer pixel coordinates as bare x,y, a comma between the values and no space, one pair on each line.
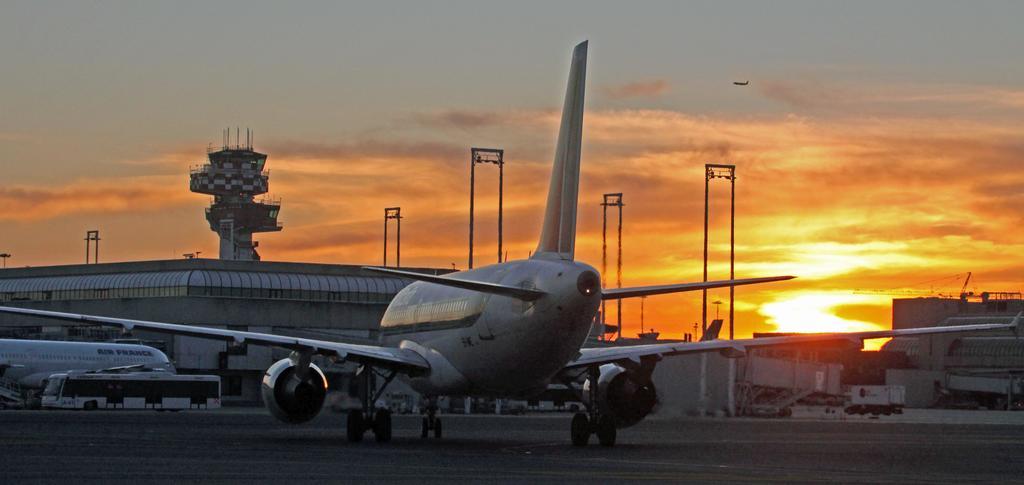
588,283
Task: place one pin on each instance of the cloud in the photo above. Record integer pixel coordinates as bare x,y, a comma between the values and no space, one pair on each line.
811,93
366,149
801,93
461,119
639,89
17,137
41,203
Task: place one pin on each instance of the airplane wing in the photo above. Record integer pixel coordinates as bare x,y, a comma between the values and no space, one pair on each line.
388,357
123,368
525,294
616,293
528,294
738,348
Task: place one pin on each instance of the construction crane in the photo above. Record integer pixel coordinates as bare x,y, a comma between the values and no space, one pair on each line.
910,290
963,290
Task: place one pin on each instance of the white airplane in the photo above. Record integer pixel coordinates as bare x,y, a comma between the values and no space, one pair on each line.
505,330
31,362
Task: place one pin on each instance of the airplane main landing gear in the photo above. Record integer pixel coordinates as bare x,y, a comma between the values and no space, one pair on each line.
583,426
358,424
369,418
580,429
431,422
382,425
605,430
592,421
355,427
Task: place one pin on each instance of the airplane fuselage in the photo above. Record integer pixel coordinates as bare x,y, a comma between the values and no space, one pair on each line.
30,362
486,344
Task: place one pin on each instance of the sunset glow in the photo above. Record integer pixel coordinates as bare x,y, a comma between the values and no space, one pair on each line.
855,169
815,313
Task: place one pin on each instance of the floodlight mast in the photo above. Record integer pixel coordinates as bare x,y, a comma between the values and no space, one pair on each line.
728,172
611,200
495,156
92,236
396,214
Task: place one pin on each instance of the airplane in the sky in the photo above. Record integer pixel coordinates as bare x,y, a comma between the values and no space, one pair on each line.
505,330
741,83
30,362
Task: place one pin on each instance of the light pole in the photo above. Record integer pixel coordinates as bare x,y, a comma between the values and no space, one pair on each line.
90,237
611,200
495,156
5,256
396,214
728,172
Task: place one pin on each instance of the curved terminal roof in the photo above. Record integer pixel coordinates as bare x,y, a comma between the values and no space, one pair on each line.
964,347
204,282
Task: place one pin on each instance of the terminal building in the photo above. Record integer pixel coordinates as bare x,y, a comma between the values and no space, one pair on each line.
962,370
982,370
299,299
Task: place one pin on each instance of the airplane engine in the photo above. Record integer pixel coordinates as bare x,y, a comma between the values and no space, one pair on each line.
626,395
291,399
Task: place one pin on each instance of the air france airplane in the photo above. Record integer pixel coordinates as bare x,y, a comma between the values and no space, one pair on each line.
31,362
506,330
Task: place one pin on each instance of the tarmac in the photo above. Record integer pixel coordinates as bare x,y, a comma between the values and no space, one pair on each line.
243,445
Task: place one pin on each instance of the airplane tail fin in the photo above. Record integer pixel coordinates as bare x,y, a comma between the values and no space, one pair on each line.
713,330
558,235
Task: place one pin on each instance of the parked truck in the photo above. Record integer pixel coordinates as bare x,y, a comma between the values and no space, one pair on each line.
876,400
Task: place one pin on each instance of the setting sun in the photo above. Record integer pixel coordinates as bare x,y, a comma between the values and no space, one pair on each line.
816,313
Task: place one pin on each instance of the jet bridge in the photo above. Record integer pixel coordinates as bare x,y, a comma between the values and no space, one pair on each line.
11,394
768,386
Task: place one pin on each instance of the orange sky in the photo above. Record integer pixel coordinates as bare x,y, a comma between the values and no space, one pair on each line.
878,145
843,203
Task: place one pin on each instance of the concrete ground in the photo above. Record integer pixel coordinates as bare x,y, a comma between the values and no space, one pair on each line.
243,445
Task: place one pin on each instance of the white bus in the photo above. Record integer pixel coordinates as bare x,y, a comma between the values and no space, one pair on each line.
131,390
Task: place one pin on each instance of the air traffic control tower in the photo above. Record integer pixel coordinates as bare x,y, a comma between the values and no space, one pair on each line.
234,176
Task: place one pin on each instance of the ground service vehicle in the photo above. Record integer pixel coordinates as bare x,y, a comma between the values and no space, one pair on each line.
876,400
131,390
